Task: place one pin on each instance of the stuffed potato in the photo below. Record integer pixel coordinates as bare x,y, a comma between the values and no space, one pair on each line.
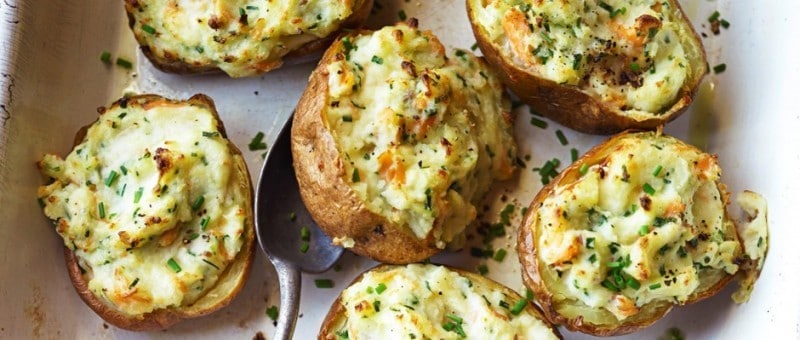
154,206
594,66
241,38
394,142
635,226
423,301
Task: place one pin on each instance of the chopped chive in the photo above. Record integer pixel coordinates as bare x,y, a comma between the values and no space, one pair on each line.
455,318
561,138
657,170
648,189
305,234
538,123
654,286
101,210
211,264
133,284
204,223
576,63
124,63
593,258
584,169
272,312
635,67
257,143
304,247
210,134
123,169
590,243
376,59
193,236
149,29
292,216
474,47
720,68
519,306
631,282
41,202
323,283
380,288
483,269
573,153
724,23
644,230
402,15
111,177
376,305
500,254
173,265
356,177
347,118
714,16
198,202
105,57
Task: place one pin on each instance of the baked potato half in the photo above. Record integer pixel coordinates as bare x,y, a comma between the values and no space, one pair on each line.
425,301
394,143
595,66
632,228
241,38
155,208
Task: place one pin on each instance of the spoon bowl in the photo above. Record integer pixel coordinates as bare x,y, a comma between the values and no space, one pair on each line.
281,218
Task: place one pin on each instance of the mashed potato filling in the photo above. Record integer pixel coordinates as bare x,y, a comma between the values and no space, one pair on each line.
645,224
629,54
422,135
241,37
149,204
432,302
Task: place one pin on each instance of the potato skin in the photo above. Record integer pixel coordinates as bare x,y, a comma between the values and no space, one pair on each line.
175,65
570,106
336,315
336,208
532,268
229,284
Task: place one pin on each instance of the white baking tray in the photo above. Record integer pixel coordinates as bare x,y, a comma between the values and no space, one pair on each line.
51,82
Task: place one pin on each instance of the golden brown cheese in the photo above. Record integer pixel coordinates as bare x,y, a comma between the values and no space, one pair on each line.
241,37
423,135
645,224
149,204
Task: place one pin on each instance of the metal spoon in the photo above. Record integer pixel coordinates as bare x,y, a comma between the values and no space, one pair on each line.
280,213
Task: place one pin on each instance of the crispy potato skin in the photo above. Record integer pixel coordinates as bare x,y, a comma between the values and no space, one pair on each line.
335,207
570,106
532,268
174,65
336,315
231,281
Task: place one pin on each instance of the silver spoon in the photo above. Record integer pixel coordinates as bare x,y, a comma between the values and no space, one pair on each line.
280,213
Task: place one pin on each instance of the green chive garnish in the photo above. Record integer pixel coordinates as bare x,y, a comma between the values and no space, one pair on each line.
304,247
648,189
519,306
124,63
584,169
173,265
149,29
257,143
644,230
323,283
380,288
561,138
111,177
105,57
305,234
631,282
720,68
378,60
204,223
714,16
538,123
356,177
483,269
198,202
573,153
347,118
123,169
657,170
402,15
101,210
655,286
500,254
272,312
133,284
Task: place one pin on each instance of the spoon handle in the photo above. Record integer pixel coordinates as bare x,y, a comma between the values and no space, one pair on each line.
289,280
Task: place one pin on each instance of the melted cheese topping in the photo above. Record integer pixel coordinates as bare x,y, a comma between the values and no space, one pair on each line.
628,54
424,301
149,204
241,37
422,135
643,225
